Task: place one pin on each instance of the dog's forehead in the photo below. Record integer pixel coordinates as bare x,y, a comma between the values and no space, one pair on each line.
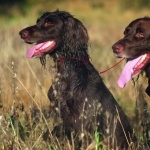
45,16
56,14
144,24
141,22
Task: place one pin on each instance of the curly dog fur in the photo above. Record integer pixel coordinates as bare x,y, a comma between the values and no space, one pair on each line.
85,103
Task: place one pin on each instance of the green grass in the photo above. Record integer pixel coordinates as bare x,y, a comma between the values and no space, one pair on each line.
24,106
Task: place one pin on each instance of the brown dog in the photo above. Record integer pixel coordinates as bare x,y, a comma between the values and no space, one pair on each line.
85,104
135,47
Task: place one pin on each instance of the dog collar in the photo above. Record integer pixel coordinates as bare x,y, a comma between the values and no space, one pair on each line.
74,58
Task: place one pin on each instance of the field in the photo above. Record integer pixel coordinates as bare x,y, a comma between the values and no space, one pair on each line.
24,106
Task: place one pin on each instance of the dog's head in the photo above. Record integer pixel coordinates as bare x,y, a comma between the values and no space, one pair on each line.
55,32
135,47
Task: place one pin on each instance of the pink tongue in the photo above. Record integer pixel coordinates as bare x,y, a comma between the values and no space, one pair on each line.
127,71
40,49
33,49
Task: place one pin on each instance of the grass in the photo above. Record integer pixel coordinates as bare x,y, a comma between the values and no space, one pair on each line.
24,106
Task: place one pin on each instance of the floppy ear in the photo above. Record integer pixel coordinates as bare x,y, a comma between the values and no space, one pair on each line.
75,36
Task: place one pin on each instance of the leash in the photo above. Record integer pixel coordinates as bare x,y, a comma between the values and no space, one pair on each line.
112,66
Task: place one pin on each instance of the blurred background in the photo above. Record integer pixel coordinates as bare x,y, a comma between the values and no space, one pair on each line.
24,82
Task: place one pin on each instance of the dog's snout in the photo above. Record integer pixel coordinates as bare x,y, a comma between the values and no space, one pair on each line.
24,33
117,48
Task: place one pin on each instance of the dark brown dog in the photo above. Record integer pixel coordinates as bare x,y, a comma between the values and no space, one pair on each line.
135,47
84,101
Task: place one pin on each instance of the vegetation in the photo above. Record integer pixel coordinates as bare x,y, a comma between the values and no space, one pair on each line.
25,118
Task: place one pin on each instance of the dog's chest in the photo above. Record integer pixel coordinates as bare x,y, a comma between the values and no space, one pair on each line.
60,86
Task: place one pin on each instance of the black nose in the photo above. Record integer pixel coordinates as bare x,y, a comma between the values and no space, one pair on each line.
24,34
117,48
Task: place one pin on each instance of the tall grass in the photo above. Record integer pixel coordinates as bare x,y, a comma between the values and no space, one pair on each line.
25,117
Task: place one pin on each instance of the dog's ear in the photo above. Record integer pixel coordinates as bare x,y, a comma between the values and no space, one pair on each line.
74,29
76,34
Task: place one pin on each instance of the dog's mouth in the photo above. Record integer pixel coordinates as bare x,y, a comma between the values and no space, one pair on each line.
40,49
133,68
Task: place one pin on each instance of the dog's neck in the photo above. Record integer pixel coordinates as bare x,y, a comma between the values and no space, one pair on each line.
81,57
70,61
73,58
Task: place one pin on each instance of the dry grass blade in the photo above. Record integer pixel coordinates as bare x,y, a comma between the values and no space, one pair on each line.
31,97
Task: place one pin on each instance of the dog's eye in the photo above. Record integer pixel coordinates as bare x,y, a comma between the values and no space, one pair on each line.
139,35
47,24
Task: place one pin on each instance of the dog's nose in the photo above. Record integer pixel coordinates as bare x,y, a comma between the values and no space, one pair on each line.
24,33
117,48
